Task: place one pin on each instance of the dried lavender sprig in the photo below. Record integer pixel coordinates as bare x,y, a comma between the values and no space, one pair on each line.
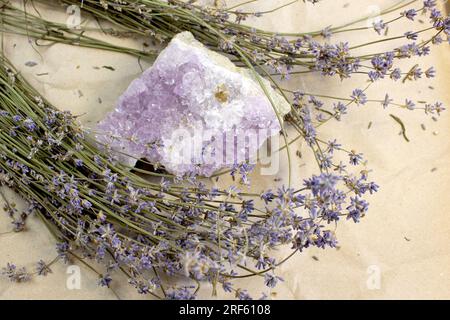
169,16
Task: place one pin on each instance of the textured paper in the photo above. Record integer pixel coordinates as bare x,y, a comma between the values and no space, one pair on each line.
405,239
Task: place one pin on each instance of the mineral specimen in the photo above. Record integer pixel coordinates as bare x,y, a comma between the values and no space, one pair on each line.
193,111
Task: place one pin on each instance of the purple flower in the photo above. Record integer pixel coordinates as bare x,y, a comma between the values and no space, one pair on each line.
355,158
332,146
410,14
373,187
180,294
248,206
86,204
78,162
379,26
17,118
430,72
359,97
227,286
339,109
42,269
29,125
327,238
436,108
396,74
267,196
437,40
383,63
243,295
409,104
105,281
270,280
429,4
411,35
417,73
15,274
357,209
63,249
323,184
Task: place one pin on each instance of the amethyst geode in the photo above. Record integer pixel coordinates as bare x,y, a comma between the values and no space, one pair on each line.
190,111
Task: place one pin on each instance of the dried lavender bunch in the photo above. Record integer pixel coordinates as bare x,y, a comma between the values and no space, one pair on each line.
145,229
283,52
20,274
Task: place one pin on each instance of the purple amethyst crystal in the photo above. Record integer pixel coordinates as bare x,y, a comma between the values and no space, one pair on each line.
193,111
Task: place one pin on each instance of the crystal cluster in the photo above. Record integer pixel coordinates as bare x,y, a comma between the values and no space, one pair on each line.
182,112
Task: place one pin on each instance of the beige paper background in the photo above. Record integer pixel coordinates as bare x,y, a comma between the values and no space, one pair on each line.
406,234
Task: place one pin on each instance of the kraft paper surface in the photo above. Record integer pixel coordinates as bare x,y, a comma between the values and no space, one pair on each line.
401,249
